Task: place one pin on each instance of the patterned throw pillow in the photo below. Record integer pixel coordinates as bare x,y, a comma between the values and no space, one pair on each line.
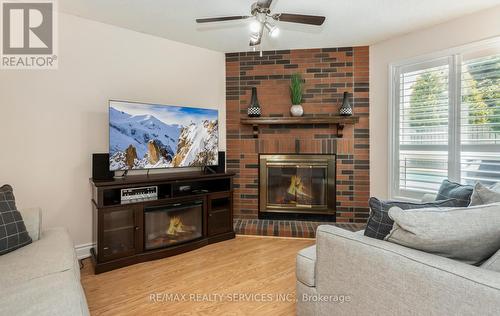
13,234
451,190
380,224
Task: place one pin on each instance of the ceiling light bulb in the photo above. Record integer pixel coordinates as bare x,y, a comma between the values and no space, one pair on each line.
255,26
273,30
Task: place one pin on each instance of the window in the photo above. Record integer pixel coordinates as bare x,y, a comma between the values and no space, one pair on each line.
445,120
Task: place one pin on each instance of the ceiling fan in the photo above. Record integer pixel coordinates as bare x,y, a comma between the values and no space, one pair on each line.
261,12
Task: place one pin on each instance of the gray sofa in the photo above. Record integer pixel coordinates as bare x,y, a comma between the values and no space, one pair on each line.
42,278
347,273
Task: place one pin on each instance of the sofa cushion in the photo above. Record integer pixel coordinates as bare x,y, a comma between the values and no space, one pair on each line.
457,191
306,266
484,195
380,224
54,294
13,234
467,234
493,263
53,253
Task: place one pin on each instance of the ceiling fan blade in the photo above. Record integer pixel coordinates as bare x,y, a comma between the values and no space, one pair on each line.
223,18
264,3
300,18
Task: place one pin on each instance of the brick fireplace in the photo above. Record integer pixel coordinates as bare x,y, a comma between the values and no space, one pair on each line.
328,72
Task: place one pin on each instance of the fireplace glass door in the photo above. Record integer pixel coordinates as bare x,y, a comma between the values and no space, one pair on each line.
297,184
172,224
301,186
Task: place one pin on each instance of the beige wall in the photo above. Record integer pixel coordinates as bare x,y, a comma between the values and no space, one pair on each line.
471,28
51,121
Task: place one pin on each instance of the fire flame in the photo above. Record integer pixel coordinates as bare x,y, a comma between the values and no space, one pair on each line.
175,226
296,186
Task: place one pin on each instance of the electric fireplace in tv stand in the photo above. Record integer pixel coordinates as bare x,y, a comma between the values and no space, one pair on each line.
119,230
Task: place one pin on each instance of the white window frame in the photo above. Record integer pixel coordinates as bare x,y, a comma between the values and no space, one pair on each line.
454,56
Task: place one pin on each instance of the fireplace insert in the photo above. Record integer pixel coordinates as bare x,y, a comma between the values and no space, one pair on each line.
297,184
172,224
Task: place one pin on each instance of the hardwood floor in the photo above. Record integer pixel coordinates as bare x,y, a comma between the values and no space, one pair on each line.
243,276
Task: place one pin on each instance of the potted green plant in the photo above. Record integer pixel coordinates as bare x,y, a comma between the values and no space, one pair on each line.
296,85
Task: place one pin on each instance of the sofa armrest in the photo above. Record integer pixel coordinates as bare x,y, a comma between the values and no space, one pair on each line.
32,218
386,278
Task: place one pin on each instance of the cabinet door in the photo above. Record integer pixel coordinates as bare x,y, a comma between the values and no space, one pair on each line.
119,232
220,213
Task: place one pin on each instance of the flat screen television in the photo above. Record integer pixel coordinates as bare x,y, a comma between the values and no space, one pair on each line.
153,136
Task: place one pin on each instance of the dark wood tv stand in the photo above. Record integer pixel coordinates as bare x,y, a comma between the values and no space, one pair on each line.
119,229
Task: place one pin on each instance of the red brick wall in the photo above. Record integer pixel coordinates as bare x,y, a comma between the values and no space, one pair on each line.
328,72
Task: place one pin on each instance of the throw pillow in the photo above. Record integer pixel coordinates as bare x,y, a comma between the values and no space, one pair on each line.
467,234
452,190
428,197
483,195
380,224
493,263
13,234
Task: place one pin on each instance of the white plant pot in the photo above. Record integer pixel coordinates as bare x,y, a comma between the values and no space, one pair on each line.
297,110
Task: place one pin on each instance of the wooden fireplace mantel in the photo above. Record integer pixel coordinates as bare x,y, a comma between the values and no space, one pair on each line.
339,121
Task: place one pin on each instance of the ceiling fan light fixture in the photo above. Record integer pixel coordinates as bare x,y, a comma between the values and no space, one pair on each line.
255,26
254,37
273,30
260,17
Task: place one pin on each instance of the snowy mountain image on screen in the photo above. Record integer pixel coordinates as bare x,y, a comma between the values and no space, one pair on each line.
146,136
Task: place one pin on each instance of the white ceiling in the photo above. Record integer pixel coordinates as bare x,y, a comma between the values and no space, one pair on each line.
348,22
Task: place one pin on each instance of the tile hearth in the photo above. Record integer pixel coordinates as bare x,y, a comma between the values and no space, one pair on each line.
283,228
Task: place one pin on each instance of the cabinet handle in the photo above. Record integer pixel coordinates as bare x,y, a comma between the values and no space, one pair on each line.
136,227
